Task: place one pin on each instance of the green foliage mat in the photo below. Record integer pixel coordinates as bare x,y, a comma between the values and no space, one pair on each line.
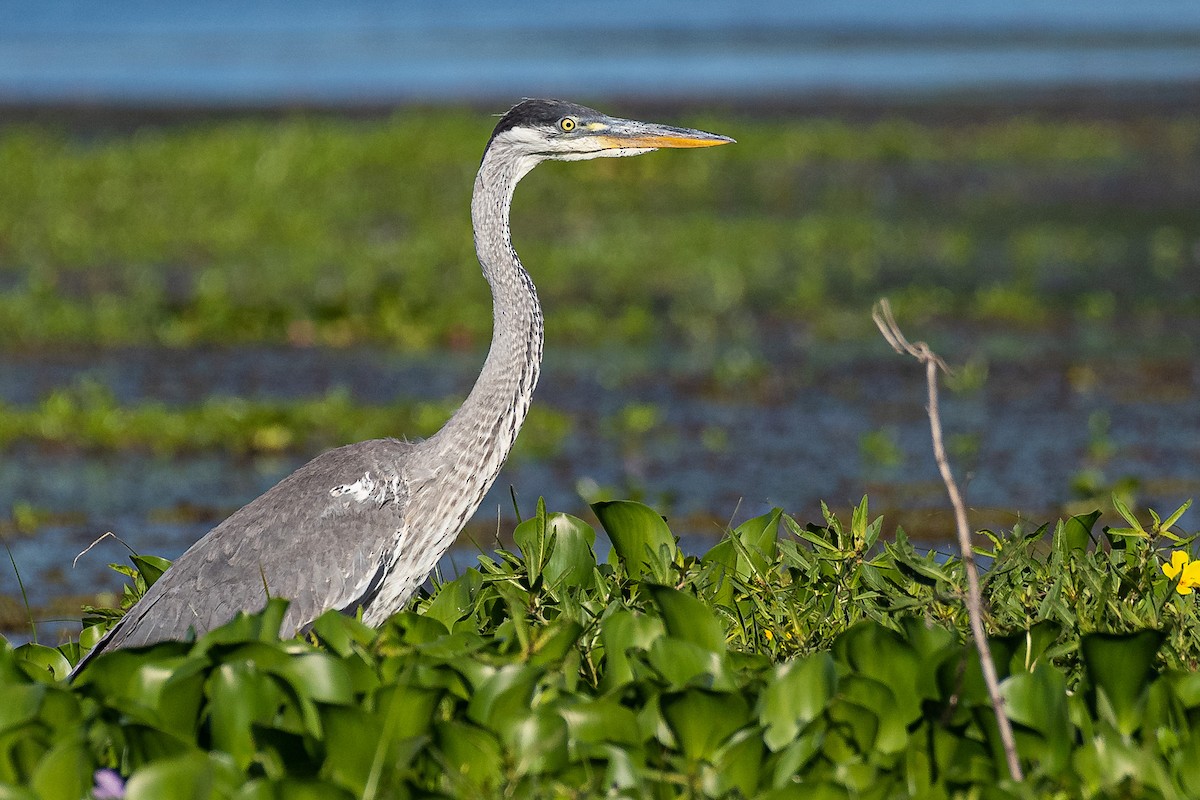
788,661
311,230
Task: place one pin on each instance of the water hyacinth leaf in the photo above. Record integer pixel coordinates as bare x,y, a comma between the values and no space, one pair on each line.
640,537
600,721
759,538
1076,532
721,561
533,539
796,693
881,654
239,695
1033,645
318,677
852,733
261,626
407,710
538,742
1119,667
41,659
504,698
572,560
21,704
341,633
554,641
701,720
685,664
358,745
621,632
65,772
473,758
689,619
292,789
739,764
891,733
1038,700
196,776
150,568
454,600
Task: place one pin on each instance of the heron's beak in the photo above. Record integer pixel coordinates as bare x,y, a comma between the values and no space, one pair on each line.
627,133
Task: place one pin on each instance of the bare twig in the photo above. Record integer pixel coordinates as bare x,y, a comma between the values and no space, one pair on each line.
882,314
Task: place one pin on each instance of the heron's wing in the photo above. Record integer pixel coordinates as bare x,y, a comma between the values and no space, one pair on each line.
322,538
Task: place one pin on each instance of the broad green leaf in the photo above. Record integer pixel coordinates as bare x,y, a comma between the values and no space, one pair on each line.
881,654
701,720
795,694
44,659
739,763
1076,532
504,698
600,721
341,632
65,773
1038,700
682,664
759,538
239,695
473,759
150,568
197,776
538,742
454,600
572,561
689,619
319,677
722,561
639,537
1119,667
621,632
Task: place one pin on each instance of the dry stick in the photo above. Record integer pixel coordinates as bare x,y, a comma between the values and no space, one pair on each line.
882,314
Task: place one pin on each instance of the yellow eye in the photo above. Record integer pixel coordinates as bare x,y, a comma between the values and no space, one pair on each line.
567,124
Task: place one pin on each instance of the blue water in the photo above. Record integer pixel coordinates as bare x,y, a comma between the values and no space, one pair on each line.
230,52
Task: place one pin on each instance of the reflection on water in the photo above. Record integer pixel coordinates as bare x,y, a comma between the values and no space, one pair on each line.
800,426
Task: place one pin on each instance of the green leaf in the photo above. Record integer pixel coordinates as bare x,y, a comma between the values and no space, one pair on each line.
42,659
1119,667
572,561
65,773
639,536
196,776
454,600
701,720
1038,700
759,539
1076,532
796,693
621,632
689,619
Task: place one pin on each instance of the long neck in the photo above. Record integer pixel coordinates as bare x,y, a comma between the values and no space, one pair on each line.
478,438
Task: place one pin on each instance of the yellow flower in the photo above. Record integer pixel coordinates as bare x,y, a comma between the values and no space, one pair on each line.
770,636
1187,570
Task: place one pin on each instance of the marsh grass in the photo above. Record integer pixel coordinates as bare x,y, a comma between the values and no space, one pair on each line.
311,230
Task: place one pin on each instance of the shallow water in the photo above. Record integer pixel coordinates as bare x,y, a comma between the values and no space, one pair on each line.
226,52
807,422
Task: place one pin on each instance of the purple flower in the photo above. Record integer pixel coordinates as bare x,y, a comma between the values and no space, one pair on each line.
109,785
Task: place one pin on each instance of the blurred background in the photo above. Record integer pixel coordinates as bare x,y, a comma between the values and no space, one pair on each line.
233,235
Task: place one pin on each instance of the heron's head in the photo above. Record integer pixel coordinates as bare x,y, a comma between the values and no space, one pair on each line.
536,130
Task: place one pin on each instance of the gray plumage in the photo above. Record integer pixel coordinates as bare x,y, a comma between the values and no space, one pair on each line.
363,525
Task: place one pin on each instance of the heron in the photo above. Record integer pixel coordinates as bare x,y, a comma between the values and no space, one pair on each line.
359,528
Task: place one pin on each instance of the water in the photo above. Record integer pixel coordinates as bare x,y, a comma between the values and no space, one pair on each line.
798,434
379,51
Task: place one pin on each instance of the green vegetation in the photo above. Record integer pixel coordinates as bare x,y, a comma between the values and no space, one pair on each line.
788,661
87,417
333,232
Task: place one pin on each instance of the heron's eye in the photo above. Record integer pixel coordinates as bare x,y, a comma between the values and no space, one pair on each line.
567,124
